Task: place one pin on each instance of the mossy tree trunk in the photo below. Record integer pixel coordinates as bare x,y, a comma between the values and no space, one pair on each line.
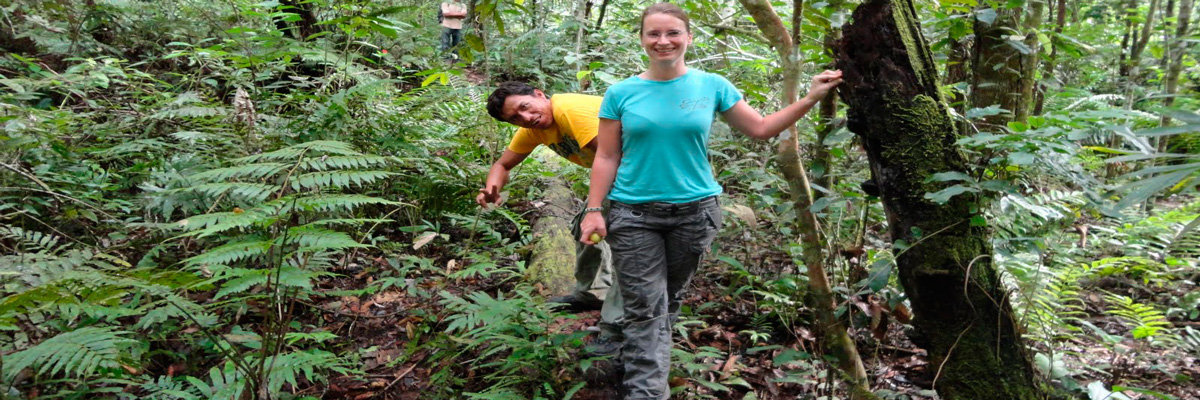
962,312
552,259
835,339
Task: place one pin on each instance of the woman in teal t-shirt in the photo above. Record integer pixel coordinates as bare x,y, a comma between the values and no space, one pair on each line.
652,162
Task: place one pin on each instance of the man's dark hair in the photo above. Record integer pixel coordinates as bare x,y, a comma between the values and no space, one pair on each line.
495,102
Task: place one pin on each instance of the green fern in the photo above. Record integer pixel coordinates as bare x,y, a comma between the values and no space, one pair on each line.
31,241
224,383
339,202
1143,321
238,280
315,148
286,368
312,238
244,191
252,171
344,162
245,249
82,352
341,179
1191,340
1058,306
168,388
1132,266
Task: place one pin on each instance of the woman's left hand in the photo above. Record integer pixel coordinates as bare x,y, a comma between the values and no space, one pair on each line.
823,83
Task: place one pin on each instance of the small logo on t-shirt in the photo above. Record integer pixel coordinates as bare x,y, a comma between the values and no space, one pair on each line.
566,147
698,103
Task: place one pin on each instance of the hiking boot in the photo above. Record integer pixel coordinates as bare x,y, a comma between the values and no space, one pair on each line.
574,303
603,346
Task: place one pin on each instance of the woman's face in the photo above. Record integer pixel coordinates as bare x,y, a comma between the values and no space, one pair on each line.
665,37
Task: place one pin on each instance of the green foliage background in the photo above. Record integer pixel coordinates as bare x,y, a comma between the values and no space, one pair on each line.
185,185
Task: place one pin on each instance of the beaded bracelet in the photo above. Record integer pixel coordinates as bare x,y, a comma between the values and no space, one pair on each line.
593,209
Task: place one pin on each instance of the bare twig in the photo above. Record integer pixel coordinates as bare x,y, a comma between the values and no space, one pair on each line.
398,377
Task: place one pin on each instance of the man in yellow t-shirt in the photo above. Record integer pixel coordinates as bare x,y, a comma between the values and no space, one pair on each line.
567,124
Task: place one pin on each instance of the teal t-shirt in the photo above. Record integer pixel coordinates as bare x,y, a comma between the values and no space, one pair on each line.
664,135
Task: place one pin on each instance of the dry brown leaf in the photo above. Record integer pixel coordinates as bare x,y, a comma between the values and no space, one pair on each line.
423,240
743,213
388,297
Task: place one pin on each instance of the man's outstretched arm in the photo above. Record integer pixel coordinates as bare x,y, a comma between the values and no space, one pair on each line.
498,177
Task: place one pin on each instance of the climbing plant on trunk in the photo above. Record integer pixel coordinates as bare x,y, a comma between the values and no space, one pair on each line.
963,317
835,339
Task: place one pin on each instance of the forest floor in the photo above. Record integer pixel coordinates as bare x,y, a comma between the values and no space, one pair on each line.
397,367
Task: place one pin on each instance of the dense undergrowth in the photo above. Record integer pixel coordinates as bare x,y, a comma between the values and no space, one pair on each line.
197,204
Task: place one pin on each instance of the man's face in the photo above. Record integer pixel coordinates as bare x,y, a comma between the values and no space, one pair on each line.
528,111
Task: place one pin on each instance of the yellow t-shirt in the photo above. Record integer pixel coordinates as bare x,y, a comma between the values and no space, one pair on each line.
576,117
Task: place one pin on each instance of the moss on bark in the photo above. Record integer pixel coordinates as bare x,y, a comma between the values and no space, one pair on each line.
552,262
962,313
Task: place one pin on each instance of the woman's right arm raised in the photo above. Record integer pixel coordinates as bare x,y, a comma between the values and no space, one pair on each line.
604,171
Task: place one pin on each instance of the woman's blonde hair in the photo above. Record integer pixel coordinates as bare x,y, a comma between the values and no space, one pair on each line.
669,9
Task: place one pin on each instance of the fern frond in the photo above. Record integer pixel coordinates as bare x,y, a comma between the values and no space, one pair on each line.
251,192
311,239
82,352
173,306
349,221
213,223
1132,266
232,252
239,280
31,241
343,162
339,179
285,368
252,171
168,388
195,136
338,202
1144,321
139,146
190,112
224,383
35,269
292,153
1191,340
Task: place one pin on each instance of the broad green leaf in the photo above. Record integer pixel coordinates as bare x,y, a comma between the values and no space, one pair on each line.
944,195
950,176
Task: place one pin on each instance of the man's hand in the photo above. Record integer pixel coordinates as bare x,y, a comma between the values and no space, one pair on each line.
490,194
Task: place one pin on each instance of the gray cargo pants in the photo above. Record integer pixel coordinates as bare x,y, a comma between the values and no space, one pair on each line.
594,275
656,250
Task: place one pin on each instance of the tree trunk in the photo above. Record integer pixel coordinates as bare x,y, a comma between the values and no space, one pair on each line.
1052,60
835,339
581,17
1029,62
600,18
997,66
1177,49
553,251
1135,54
962,312
304,27
826,112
